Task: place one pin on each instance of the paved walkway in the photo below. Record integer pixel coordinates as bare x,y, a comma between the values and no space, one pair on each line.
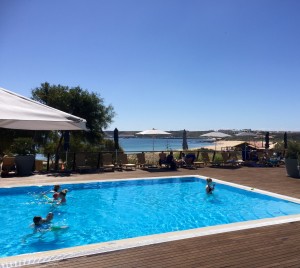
272,246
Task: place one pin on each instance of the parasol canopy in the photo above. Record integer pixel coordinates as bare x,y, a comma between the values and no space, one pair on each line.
153,132
215,134
18,112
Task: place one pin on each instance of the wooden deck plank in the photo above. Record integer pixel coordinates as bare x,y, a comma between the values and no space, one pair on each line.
255,251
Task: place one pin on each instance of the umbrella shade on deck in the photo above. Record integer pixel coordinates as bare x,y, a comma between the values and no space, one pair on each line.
184,141
18,112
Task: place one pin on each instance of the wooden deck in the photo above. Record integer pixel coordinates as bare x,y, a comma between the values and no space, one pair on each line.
272,246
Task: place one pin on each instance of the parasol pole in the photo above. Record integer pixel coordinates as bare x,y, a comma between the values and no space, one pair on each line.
153,149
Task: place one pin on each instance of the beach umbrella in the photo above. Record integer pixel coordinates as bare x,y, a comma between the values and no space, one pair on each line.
217,135
18,112
116,141
184,141
153,133
267,140
285,140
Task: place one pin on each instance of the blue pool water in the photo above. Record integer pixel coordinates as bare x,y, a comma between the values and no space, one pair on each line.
105,211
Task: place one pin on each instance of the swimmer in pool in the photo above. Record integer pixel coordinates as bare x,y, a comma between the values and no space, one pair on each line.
42,226
56,192
62,196
210,186
38,220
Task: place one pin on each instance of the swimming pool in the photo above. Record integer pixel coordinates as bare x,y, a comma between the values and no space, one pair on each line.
105,211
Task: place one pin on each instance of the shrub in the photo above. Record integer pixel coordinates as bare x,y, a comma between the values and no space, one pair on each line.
293,150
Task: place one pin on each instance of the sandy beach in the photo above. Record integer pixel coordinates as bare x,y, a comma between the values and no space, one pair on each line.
219,146
222,145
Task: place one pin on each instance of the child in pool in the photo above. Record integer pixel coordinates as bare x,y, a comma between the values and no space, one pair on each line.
56,192
42,226
209,186
38,220
62,196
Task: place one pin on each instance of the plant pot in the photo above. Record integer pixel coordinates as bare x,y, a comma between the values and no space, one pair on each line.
24,164
291,166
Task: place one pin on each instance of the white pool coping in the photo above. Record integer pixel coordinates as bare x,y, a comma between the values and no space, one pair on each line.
60,254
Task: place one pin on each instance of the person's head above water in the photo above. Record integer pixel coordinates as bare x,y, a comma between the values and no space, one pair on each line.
37,220
209,180
56,188
63,193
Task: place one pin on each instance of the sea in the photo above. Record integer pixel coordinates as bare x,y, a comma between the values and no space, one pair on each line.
136,145
158,144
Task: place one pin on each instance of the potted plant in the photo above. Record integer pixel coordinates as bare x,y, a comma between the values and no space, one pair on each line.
292,159
25,155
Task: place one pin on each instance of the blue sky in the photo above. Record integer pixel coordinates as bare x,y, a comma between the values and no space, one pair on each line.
167,64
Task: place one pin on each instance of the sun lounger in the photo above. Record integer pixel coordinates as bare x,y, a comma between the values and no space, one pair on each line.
191,163
141,161
123,160
39,165
228,160
233,157
8,165
81,163
205,158
162,158
107,162
167,161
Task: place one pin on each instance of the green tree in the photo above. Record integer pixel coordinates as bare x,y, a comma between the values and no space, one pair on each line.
78,102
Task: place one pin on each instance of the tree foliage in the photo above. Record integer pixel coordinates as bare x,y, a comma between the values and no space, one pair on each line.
78,102
8,137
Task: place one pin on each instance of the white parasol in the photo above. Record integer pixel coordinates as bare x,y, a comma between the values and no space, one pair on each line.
18,112
153,132
216,134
